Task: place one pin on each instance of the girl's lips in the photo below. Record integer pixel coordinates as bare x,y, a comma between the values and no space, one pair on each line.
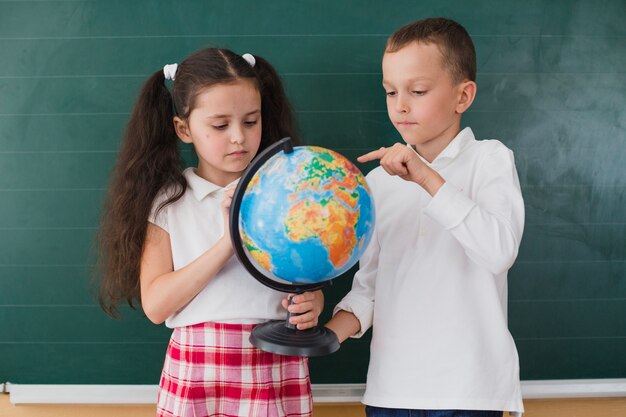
237,153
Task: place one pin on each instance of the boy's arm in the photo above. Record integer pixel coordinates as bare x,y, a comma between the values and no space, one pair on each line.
344,324
489,227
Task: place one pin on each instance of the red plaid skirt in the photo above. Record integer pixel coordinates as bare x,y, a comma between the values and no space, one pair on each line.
211,369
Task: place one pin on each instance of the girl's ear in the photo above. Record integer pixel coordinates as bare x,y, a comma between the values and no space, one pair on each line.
467,93
182,130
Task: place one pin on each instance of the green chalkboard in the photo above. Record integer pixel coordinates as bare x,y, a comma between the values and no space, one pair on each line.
552,84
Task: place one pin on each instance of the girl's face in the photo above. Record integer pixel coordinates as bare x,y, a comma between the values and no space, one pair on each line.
225,129
423,102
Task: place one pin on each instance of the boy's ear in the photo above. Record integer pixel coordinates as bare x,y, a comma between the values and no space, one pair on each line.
467,93
182,130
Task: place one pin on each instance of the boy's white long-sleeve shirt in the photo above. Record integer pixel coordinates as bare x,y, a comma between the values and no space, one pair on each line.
433,283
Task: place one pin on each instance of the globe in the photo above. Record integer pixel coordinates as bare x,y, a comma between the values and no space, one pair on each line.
300,217
306,216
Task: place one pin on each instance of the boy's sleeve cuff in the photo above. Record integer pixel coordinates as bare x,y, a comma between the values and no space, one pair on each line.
449,206
362,308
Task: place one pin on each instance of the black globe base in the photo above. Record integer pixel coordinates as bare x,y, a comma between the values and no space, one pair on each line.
275,337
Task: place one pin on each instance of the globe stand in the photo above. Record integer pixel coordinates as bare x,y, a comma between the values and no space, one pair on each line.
277,336
283,338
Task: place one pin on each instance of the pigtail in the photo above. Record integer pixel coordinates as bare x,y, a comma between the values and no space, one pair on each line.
149,161
277,115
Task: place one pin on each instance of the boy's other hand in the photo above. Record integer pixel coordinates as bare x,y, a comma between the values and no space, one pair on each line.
404,162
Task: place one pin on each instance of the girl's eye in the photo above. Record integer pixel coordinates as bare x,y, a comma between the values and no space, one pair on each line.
220,127
251,122
419,92
390,93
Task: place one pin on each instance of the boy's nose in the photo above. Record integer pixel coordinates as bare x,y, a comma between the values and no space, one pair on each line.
401,105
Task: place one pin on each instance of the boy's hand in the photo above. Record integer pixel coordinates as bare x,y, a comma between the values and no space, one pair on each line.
308,305
398,160
344,324
402,161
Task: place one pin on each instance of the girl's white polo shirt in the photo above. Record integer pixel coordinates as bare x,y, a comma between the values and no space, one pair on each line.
195,223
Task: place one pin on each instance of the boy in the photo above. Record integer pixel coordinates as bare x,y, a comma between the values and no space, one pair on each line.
450,216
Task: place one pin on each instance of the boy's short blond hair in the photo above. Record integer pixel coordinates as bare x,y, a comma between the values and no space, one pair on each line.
455,44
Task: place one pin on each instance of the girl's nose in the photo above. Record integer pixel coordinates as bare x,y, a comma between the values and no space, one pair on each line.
237,136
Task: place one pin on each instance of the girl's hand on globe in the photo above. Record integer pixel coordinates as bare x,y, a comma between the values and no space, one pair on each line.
226,202
308,306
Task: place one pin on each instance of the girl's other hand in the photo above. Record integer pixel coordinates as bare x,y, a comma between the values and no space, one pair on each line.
308,305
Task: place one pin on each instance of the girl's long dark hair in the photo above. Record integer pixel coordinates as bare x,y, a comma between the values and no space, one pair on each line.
150,162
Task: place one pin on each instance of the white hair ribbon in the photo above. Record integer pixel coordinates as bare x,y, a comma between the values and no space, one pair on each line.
249,59
170,71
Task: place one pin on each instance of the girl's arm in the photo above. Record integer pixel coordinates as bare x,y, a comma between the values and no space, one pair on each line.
165,291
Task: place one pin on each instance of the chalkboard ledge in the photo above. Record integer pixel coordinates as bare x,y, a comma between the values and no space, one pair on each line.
322,393
143,394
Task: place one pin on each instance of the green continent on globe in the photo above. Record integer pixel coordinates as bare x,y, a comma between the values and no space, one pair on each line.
323,171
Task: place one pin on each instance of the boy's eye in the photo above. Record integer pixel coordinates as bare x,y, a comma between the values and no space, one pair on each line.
390,93
419,92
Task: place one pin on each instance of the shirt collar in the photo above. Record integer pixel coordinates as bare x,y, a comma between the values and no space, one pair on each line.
454,148
199,186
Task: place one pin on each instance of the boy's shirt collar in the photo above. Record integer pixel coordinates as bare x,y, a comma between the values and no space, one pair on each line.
454,148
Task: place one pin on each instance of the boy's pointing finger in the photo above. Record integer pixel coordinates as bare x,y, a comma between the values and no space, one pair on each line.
377,154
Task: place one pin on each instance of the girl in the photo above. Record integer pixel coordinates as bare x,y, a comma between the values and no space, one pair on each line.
165,239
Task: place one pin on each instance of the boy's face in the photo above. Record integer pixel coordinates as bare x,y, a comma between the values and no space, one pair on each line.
422,100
